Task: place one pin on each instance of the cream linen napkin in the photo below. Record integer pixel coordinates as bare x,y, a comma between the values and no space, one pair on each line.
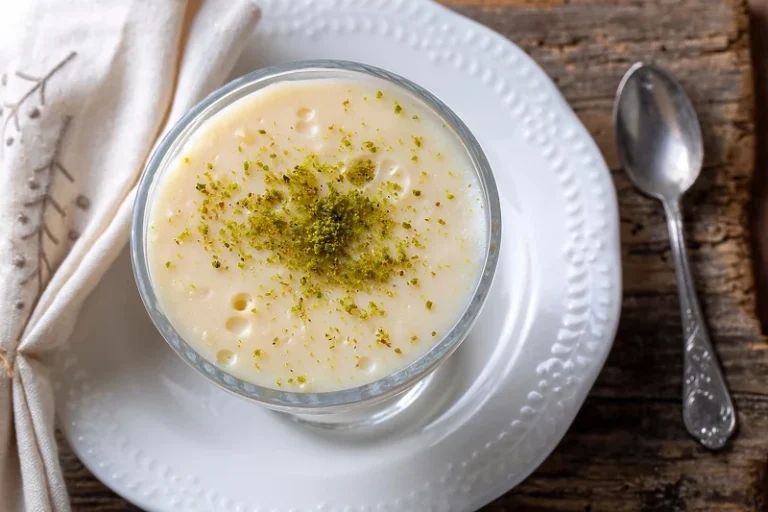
86,89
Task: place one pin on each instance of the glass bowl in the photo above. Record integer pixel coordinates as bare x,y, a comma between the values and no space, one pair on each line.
347,399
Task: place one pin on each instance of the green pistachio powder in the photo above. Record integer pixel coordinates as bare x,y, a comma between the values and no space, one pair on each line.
333,238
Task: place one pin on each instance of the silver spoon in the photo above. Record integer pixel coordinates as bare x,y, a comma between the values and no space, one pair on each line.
659,142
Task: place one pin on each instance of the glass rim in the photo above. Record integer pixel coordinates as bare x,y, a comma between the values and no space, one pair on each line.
293,401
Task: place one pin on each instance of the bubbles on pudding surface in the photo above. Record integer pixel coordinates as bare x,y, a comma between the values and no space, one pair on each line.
306,128
305,125
389,167
225,357
238,325
241,301
305,114
396,181
365,364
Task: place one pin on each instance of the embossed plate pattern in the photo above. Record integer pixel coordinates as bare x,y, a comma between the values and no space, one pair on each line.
165,439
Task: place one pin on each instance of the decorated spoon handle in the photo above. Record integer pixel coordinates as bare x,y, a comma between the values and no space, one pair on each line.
708,410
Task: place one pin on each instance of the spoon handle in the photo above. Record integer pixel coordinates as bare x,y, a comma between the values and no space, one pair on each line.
707,406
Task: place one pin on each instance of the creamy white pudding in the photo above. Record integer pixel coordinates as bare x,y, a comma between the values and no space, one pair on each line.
317,235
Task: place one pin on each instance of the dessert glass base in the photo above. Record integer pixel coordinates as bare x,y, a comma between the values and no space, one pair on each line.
370,415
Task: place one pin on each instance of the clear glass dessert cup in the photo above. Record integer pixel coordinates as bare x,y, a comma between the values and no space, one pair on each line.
377,400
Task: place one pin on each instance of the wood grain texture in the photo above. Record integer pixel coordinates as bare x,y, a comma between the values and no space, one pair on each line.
627,450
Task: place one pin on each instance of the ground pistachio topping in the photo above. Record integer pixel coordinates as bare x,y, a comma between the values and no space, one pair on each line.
333,237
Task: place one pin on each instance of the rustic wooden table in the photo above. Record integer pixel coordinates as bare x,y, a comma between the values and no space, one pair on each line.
627,449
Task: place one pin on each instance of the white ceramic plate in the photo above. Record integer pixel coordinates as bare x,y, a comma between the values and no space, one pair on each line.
164,438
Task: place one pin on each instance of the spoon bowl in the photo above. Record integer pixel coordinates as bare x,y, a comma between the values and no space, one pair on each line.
658,133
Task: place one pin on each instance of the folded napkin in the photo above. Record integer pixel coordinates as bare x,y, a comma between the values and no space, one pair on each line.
86,89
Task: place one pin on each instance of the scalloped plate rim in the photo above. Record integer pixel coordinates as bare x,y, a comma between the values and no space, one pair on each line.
610,323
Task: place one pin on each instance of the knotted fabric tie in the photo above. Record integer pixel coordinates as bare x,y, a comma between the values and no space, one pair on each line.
6,363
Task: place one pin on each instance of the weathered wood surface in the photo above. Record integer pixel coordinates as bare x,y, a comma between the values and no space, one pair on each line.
628,450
